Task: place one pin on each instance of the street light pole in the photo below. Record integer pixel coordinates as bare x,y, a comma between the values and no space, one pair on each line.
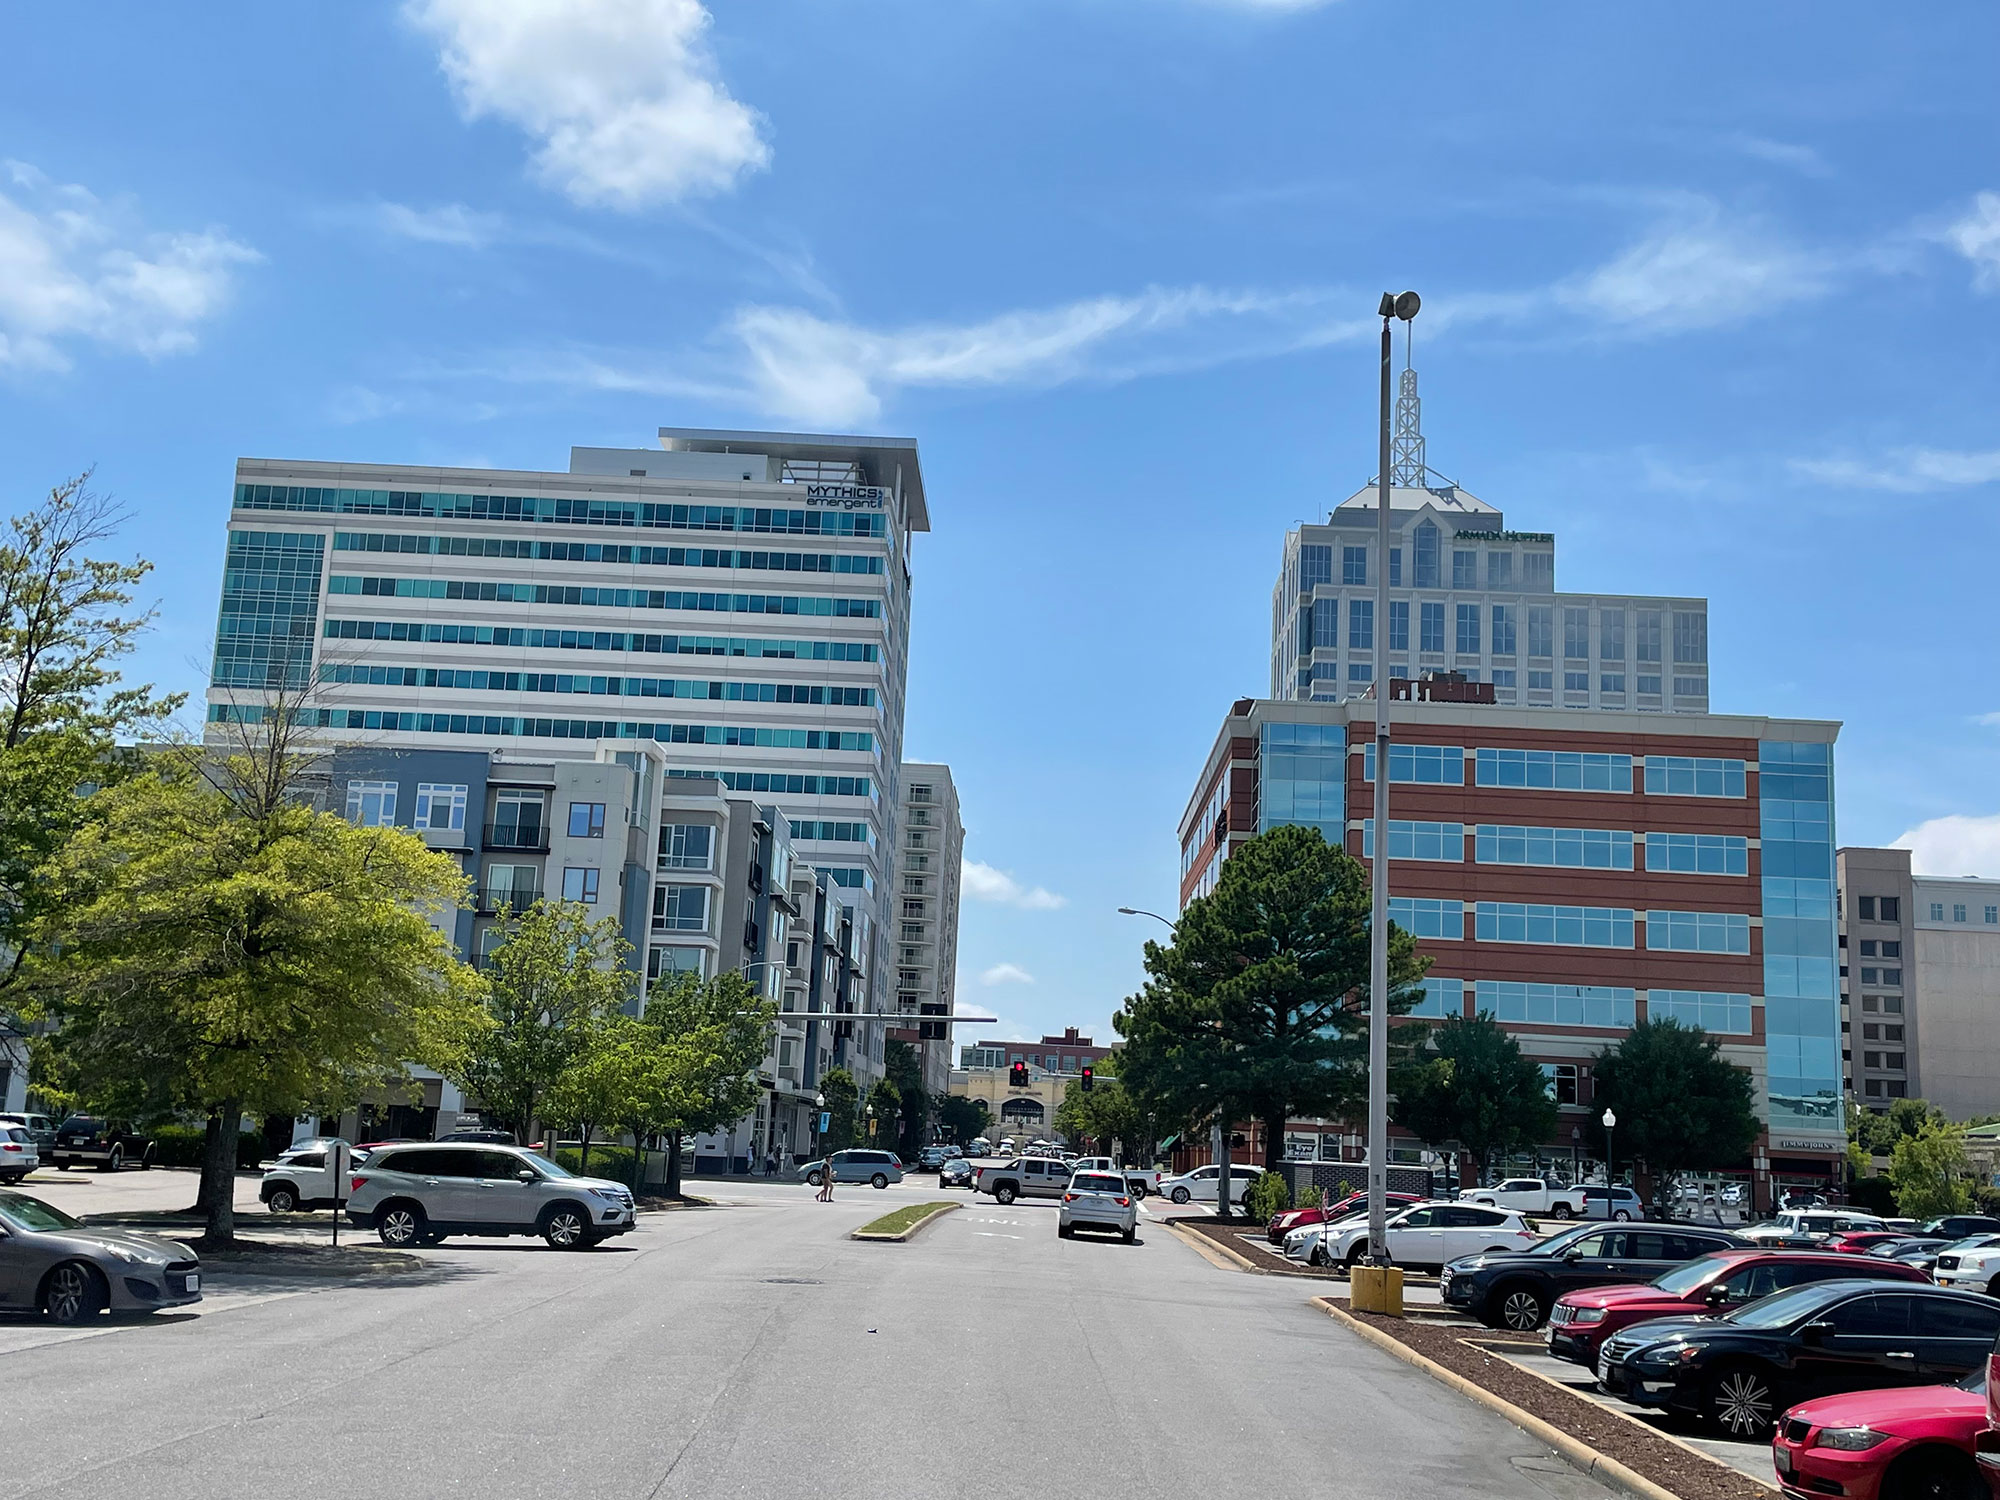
1393,307
1610,1158
1137,911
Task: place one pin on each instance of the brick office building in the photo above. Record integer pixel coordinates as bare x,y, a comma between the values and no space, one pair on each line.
1572,872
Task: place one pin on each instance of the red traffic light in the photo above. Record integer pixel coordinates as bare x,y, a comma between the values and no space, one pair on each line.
1088,1077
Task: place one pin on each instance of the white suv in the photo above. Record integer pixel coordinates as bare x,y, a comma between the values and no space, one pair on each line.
1432,1234
417,1194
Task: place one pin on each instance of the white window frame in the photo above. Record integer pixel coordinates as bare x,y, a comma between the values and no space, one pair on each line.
383,795
429,794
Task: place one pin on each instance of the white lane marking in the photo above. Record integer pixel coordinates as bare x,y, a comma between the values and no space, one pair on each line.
989,1234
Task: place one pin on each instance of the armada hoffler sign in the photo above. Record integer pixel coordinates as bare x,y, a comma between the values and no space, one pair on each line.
848,496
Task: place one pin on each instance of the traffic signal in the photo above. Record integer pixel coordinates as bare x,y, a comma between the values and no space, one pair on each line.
1017,1076
1088,1078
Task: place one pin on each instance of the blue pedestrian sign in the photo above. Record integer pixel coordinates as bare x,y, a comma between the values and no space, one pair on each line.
825,1121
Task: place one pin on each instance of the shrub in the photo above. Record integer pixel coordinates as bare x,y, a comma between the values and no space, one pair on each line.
1269,1195
182,1145
614,1162
1311,1197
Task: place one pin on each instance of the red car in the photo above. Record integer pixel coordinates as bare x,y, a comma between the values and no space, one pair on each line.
1861,1241
1897,1444
1354,1203
1716,1283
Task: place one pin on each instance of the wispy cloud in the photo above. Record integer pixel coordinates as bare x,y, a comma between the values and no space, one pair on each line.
1976,236
447,224
1954,845
984,883
1005,974
1801,159
623,97
73,267
1907,471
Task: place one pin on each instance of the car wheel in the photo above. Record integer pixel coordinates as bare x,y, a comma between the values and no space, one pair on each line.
73,1293
283,1200
400,1225
1622,1216
879,1181
1741,1403
1992,1287
1181,1195
1138,1191
1066,1231
815,1179
1316,1256
1357,1254
1131,1236
114,1161
566,1227
146,1160
1004,1193
1561,1211
1932,1474
1520,1308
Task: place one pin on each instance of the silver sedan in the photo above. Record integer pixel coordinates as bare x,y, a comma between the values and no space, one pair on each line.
70,1272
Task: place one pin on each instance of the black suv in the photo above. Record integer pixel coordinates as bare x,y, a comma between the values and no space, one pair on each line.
1741,1370
92,1141
1516,1288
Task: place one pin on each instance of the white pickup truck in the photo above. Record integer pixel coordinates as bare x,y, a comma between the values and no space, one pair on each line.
1142,1180
1530,1195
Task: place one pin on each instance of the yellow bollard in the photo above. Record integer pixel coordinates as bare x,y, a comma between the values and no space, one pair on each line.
1376,1289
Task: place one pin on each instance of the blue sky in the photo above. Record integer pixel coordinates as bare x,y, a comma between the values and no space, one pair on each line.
1710,291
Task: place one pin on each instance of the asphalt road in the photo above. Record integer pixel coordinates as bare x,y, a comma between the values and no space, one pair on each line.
753,1350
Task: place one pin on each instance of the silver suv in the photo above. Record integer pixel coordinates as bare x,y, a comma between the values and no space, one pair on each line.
417,1194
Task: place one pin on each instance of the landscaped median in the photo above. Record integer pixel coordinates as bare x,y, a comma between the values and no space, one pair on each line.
1617,1450
903,1223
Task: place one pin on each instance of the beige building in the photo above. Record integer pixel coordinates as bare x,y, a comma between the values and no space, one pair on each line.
926,942
1026,1114
1957,1037
1878,994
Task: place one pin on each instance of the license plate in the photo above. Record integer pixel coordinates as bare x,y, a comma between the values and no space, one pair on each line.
194,1283
1781,1458
1603,1369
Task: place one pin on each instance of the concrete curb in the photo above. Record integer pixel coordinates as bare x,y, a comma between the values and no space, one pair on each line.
1577,1453
937,1211
1235,1258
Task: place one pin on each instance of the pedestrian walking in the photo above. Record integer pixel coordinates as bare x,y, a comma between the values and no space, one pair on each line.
826,1181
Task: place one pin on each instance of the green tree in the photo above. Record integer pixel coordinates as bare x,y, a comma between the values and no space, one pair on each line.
884,1110
905,1069
66,617
557,975
1878,1132
1107,1113
1470,1084
1929,1171
842,1107
714,1032
1680,1104
961,1119
212,942
1258,1007
615,1076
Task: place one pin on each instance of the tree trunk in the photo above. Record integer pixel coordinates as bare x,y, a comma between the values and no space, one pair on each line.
583,1155
201,1194
1274,1140
218,1176
673,1164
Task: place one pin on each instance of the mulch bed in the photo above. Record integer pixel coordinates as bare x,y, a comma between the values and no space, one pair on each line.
1665,1463
1267,1256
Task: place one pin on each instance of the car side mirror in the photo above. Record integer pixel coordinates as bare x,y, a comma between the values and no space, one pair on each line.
1716,1295
1572,1254
1815,1333
527,1175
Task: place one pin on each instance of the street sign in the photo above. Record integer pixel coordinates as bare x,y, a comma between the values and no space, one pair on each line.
825,1121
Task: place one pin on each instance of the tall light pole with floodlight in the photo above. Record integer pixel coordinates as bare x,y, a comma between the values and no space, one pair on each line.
1610,1161
1393,307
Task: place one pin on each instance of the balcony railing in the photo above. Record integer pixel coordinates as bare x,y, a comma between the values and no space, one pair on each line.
514,897
519,839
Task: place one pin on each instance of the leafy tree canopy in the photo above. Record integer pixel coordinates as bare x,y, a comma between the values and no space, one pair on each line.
1470,1084
1680,1104
1929,1172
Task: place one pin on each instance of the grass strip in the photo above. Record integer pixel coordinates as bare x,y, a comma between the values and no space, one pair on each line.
902,1221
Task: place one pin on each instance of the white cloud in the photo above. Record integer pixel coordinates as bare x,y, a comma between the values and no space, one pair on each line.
622,95
1006,974
1696,269
1977,238
73,267
1906,471
1801,159
819,369
447,224
1954,845
984,883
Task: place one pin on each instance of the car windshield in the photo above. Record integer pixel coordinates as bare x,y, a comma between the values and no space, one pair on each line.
1683,1279
1975,1383
1780,1308
32,1214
